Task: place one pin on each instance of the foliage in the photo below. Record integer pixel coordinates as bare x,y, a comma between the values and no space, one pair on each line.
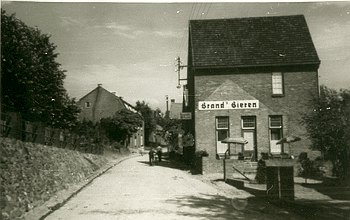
159,117
172,130
328,127
309,168
261,172
148,117
86,128
32,80
152,118
90,135
122,125
201,153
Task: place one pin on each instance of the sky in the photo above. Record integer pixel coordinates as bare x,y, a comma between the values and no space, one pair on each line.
130,48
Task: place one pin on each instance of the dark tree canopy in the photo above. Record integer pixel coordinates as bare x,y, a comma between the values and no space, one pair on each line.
148,116
32,80
122,125
328,127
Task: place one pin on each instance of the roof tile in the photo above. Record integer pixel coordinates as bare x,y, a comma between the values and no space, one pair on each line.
278,40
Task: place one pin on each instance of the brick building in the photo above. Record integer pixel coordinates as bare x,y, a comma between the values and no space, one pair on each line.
100,103
252,78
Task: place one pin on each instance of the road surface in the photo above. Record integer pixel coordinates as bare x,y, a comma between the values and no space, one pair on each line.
135,190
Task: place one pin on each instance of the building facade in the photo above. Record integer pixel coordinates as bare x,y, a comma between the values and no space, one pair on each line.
252,78
100,103
175,110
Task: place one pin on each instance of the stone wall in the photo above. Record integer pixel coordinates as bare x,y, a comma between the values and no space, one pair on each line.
32,173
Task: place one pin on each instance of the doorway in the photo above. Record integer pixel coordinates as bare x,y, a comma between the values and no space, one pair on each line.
249,134
222,132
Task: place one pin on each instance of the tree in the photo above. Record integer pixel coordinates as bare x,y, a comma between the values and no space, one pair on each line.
149,118
172,129
122,125
32,80
327,127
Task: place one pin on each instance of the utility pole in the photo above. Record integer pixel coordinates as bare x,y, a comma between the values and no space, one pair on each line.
167,106
167,102
178,69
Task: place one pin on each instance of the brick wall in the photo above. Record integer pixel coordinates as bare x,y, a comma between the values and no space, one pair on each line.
299,87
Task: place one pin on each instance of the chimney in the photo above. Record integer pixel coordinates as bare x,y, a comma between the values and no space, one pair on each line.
167,103
99,85
172,100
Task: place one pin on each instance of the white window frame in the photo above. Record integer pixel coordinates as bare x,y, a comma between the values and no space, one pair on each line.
218,144
275,116
222,128
274,127
277,83
248,117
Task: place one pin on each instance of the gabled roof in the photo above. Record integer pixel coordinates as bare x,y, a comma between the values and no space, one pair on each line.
116,98
254,41
99,89
130,107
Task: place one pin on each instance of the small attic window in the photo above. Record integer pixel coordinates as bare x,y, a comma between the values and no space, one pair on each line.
87,104
277,83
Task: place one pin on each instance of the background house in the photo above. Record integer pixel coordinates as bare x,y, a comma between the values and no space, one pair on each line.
175,110
253,78
100,103
156,137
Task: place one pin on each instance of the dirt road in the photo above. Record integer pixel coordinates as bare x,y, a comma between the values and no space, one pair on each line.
135,190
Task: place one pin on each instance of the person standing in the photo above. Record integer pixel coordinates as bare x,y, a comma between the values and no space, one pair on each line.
159,153
151,157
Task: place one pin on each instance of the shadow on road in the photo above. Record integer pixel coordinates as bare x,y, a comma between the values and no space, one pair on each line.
334,192
167,164
222,207
310,209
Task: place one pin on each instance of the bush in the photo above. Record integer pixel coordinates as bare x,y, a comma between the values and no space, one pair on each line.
328,128
201,153
117,146
309,169
261,172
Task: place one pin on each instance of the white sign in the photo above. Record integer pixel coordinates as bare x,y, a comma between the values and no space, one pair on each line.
186,115
233,104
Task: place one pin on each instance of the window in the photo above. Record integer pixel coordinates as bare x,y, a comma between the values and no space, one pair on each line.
185,95
275,127
275,122
222,123
248,122
277,83
222,132
87,104
249,134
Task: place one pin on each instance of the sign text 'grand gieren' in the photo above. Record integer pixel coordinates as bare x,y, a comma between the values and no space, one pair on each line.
233,104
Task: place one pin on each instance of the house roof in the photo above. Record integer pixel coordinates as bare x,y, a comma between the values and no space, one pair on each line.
129,106
117,98
253,41
99,89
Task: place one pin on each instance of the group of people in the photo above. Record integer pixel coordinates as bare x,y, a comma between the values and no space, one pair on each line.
152,153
